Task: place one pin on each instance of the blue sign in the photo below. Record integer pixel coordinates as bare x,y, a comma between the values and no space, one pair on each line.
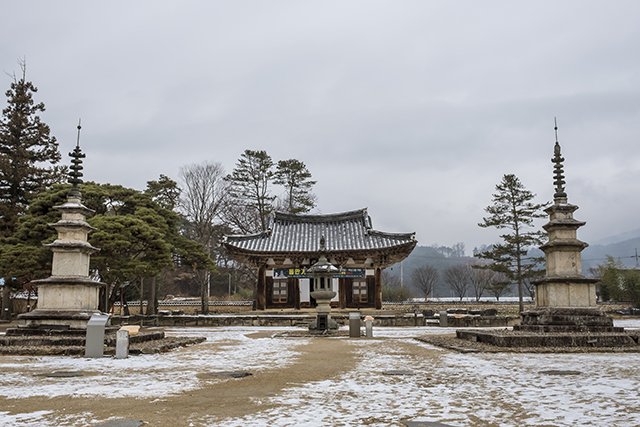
301,273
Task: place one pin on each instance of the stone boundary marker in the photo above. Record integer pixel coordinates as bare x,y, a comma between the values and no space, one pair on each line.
557,372
424,424
122,423
399,372
61,374
238,374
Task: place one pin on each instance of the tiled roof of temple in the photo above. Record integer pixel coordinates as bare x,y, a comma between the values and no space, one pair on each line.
348,231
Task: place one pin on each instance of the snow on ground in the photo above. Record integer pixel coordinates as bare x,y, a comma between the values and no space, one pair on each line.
457,389
156,375
464,389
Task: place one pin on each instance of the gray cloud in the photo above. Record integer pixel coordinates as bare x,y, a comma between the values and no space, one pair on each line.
414,109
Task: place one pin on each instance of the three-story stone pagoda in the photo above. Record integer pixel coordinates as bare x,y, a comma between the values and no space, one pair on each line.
68,298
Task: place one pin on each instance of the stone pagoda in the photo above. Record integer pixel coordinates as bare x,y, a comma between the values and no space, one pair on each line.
68,298
566,314
565,299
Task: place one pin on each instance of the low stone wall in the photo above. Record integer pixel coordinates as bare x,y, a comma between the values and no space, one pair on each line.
190,308
501,307
193,308
482,321
223,307
213,320
303,320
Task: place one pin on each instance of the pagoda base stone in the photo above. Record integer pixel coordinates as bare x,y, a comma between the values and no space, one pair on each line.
55,319
565,319
566,292
557,327
515,339
73,343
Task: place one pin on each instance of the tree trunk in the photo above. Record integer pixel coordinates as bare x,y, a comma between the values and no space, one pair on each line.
6,310
142,295
204,293
113,296
520,291
261,300
153,299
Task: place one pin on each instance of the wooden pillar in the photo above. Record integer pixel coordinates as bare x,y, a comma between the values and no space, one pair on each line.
261,300
296,294
378,289
342,293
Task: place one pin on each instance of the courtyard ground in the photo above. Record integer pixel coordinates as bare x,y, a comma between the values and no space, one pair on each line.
323,381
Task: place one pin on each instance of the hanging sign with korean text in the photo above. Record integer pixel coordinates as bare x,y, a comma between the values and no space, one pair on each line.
301,273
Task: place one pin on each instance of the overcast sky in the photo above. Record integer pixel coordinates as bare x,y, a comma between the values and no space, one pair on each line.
413,109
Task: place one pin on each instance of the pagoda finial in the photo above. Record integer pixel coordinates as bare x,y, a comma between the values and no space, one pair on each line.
76,166
558,171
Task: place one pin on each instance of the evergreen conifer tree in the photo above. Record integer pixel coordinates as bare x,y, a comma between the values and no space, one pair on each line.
512,209
250,190
296,179
27,152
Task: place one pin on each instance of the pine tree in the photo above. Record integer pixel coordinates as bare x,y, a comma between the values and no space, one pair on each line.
251,199
136,236
27,153
296,179
512,209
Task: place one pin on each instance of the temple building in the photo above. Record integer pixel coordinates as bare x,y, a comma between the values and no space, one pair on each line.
293,242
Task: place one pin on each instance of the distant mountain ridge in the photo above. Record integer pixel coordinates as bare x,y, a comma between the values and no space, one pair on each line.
597,254
618,238
592,256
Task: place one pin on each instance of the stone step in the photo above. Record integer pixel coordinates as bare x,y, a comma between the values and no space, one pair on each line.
559,319
53,331
523,339
566,328
73,340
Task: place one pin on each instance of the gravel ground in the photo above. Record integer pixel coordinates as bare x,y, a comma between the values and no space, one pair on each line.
322,381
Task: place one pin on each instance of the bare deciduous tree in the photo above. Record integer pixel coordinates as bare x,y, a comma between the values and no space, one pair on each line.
499,285
529,285
425,279
480,280
240,217
390,280
458,279
458,249
204,197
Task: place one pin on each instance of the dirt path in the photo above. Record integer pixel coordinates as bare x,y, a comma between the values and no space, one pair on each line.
216,399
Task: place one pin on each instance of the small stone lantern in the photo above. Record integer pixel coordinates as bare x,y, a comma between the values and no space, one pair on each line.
323,272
